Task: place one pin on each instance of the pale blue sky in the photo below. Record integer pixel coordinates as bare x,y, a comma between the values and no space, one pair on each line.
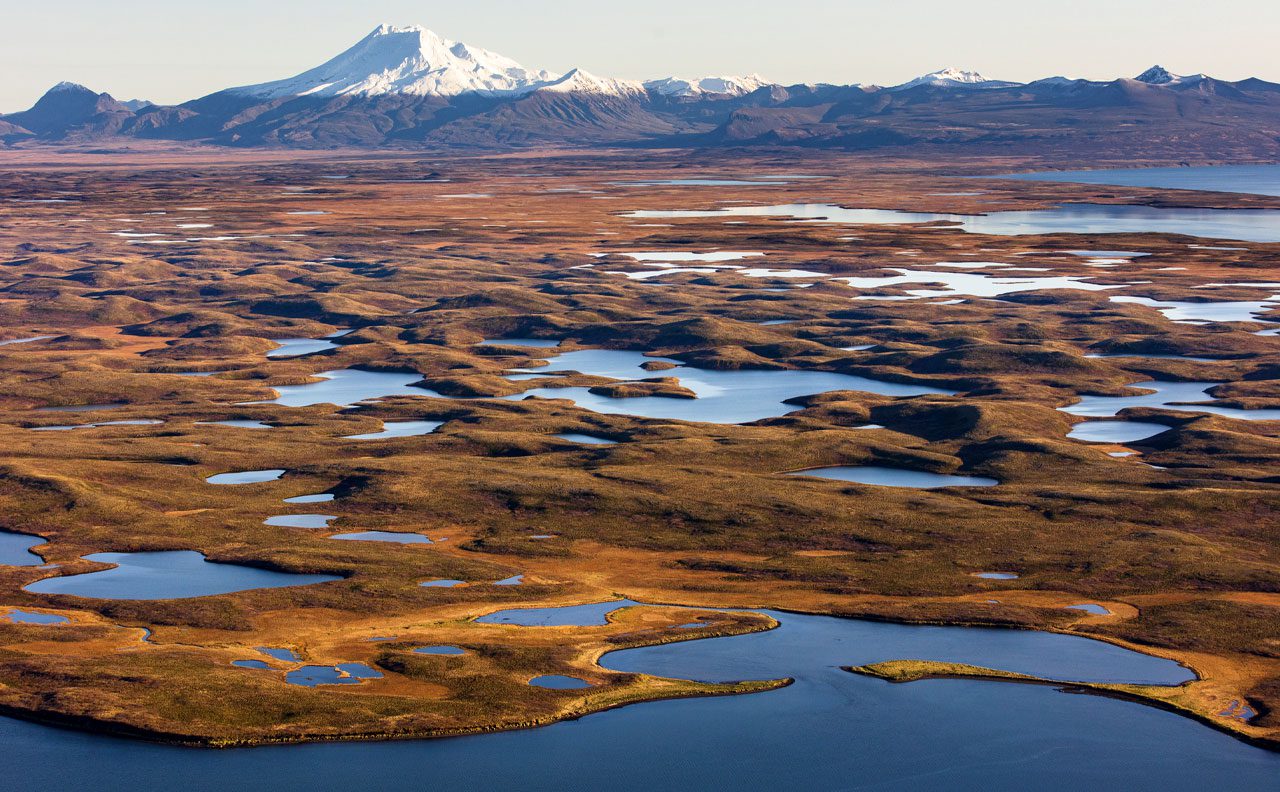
173,50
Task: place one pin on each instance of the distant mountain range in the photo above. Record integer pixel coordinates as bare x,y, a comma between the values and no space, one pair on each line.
407,86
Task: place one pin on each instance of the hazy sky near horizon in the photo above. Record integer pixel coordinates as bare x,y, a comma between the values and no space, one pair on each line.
170,51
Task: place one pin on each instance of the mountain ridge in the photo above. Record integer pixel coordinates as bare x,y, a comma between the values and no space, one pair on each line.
406,85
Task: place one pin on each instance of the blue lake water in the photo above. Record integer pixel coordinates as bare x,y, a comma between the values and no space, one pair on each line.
1115,431
15,549
323,497
442,583
896,477
383,536
559,682
585,439
1249,225
524,342
174,574
341,674
258,664
245,477
857,733
589,615
300,520
392,429
284,655
34,617
723,396
1091,608
237,424
1167,396
1254,179
348,386
297,347
440,650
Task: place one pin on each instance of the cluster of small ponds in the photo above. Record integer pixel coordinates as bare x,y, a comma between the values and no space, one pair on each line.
852,725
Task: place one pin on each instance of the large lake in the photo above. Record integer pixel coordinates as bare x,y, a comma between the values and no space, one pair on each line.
833,729
1254,179
1250,225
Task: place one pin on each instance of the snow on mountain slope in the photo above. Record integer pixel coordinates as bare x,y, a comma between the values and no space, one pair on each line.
726,86
582,82
950,77
407,60
1159,75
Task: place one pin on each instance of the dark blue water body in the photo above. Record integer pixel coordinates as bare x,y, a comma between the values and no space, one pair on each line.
285,655
258,664
1249,225
15,549
1252,179
830,730
174,574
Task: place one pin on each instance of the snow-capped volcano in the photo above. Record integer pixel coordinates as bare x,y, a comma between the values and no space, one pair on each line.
701,86
950,77
1159,75
407,60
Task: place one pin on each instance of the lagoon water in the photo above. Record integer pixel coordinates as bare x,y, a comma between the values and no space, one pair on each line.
1253,179
173,574
15,549
858,733
1249,225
